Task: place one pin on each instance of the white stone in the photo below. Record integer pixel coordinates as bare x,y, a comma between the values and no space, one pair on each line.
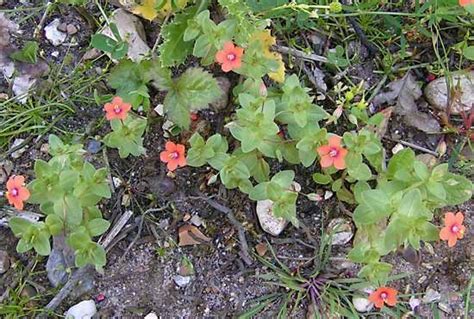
159,110
151,315
16,154
83,310
131,30
270,224
436,93
341,230
362,304
54,36
397,148
182,281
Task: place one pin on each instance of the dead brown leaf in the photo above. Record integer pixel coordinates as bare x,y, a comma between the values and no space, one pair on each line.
190,235
261,249
403,95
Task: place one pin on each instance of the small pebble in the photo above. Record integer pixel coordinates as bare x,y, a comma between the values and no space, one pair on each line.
431,295
182,281
3,96
100,297
422,279
151,315
55,54
196,220
16,154
71,29
93,146
397,148
62,27
4,262
444,307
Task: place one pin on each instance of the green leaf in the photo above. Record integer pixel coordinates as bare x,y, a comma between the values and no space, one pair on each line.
103,43
436,189
403,160
158,75
69,209
376,272
23,246
174,49
322,179
98,256
411,204
193,90
284,178
41,243
458,189
54,224
79,240
468,52
97,226
19,225
28,54
359,188
67,179
374,206
197,88
285,207
421,170
361,173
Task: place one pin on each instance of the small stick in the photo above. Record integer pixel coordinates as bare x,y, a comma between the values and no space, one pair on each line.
37,31
300,54
420,148
158,37
373,50
244,247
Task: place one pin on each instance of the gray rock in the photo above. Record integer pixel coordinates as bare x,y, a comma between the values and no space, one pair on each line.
93,146
60,259
431,295
436,93
53,34
223,100
84,310
270,224
6,168
4,262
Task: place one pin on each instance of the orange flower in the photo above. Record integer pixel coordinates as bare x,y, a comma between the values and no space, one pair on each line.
384,295
464,3
173,155
333,153
17,193
117,109
230,57
453,228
